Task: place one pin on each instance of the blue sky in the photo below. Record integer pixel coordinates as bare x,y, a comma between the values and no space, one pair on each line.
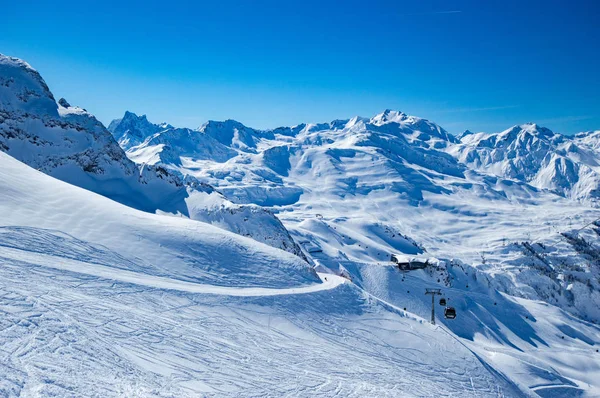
481,65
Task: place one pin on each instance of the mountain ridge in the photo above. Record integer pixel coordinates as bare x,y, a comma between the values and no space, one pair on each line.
551,149
70,144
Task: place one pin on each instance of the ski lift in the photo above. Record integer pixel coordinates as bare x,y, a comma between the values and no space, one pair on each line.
450,313
443,302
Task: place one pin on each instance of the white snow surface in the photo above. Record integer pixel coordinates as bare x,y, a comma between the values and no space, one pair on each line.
354,191
360,189
536,155
99,299
161,292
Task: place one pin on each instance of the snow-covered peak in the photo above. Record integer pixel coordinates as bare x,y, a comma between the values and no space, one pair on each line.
337,124
65,109
64,103
388,122
416,128
518,136
388,116
138,122
22,89
289,131
536,155
464,134
69,143
224,127
527,130
589,139
234,134
169,145
132,130
585,134
129,118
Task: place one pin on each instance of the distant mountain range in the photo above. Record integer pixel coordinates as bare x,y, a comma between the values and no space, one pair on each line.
528,153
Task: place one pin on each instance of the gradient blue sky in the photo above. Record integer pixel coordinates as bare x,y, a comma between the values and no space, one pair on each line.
481,65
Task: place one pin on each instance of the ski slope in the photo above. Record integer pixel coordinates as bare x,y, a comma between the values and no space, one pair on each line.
61,217
329,281
90,308
542,349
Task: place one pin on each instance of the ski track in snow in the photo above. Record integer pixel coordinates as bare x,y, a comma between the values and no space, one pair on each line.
69,333
329,281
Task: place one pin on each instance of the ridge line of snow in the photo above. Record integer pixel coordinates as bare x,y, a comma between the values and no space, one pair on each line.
329,281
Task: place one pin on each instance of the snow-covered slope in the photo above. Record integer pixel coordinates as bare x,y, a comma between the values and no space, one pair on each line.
101,299
538,347
360,189
590,140
55,218
68,143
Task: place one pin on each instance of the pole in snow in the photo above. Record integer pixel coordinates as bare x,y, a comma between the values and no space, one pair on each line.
433,292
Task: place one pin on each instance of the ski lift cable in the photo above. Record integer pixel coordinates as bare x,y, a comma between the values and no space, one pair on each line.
552,238
587,225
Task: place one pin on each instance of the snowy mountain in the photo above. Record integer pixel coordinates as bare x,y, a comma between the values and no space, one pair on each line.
250,166
132,130
151,293
535,155
68,143
590,140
